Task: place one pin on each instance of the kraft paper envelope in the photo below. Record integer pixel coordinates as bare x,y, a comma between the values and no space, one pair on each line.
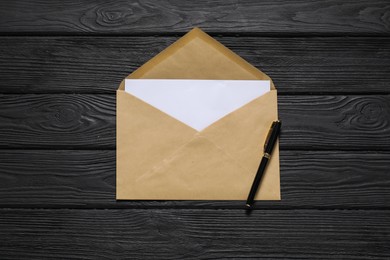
161,158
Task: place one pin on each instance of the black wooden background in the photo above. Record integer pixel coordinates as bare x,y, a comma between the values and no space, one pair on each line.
60,64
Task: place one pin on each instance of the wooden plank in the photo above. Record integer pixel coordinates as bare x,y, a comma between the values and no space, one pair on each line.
86,179
335,122
159,17
60,121
67,121
194,234
98,64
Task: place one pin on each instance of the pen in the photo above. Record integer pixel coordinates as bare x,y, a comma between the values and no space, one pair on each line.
268,147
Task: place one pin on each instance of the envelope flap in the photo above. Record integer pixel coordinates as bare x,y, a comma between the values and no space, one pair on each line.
145,137
242,134
197,170
200,170
196,55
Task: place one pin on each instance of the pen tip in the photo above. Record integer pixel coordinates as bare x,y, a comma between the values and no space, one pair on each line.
248,205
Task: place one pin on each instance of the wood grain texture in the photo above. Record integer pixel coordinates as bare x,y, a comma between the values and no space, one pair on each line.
86,179
159,17
61,121
67,121
98,64
335,122
194,234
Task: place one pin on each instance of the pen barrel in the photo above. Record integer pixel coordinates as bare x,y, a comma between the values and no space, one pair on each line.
268,147
257,180
273,136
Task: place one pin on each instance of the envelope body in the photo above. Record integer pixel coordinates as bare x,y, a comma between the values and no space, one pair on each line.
161,158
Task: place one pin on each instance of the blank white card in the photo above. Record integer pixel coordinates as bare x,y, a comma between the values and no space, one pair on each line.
197,103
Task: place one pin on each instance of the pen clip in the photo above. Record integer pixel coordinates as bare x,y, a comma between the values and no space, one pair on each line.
269,135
